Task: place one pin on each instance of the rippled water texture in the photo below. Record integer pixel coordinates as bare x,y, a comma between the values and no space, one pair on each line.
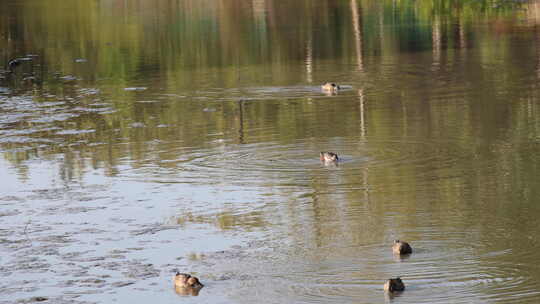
141,138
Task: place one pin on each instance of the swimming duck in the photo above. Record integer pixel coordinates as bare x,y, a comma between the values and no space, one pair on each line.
329,157
392,285
400,247
184,280
330,87
13,63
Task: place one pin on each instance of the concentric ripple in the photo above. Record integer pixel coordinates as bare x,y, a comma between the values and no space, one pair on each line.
298,164
438,272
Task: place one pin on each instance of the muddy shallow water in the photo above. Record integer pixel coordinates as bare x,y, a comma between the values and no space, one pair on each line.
137,141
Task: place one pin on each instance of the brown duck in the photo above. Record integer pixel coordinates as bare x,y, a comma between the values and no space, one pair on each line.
184,280
330,87
400,247
393,285
328,157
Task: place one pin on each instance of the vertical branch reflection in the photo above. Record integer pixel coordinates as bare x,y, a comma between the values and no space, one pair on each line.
357,27
362,115
381,27
365,184
436,41
241,121
537,40
462,35
365,175
309,59
534,10
259,9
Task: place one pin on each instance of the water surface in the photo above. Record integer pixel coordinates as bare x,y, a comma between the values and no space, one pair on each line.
142,138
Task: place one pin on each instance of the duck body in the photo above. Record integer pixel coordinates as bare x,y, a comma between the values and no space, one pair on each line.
184,280
330,87
393,285
12,64
329,157
400,247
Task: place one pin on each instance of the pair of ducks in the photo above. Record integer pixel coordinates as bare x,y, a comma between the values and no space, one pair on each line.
190,284
396,285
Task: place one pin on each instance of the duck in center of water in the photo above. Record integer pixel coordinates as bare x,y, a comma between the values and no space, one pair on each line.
330,87
393,285
329,157
184,280
401,247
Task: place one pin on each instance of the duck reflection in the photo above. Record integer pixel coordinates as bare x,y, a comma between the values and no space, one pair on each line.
401,257
187,291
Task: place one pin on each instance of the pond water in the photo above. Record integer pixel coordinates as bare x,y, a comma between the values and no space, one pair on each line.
138,138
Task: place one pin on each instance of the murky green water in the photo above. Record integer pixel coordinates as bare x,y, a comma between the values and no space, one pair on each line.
138,138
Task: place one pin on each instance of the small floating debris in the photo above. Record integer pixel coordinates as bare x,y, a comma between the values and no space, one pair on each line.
75,132
137,125
108,112
146,101
122,284
23,59
38,299
135,89
209,109
94,144
80,60
89,91
47,104
69,78
173,95
29,79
